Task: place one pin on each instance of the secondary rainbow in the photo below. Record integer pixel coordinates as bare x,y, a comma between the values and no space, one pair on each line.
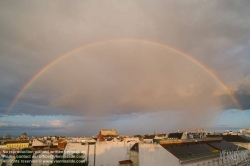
63,56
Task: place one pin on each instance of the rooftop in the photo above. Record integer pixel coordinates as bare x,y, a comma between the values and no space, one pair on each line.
175,135
236,138
125,162
190,151
17,141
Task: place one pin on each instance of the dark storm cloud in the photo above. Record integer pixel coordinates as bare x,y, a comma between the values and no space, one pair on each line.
142,77
244,98
242,94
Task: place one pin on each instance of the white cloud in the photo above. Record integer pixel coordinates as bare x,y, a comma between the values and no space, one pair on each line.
55,123
35,125
59,123
17,124
71,125
3,124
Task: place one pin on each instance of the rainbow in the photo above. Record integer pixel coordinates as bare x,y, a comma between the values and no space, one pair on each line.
63,56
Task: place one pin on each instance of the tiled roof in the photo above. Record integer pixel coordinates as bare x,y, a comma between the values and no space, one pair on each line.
19,141
126,162
38,143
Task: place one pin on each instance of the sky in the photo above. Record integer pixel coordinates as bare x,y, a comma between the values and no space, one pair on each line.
75,67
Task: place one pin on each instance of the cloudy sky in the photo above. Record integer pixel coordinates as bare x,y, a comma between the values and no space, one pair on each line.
124,75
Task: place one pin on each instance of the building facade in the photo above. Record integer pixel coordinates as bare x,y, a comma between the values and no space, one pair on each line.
17,144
